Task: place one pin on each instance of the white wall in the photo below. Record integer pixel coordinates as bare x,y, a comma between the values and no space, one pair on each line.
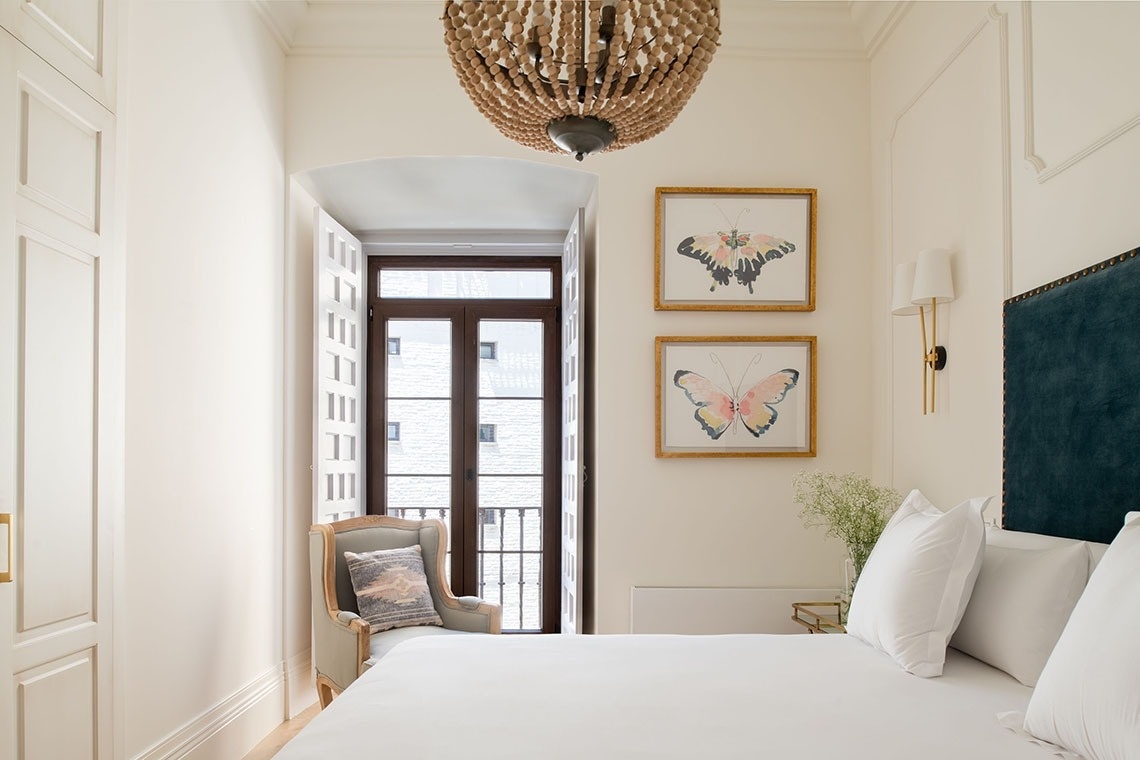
950,126
205,191
754,123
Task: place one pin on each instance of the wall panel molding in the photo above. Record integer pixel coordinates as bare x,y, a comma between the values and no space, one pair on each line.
993,16
1044,169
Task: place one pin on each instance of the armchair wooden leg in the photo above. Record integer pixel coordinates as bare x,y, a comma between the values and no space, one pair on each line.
325,691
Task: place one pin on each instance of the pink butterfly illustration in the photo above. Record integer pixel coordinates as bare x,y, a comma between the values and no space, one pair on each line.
718,410
734,253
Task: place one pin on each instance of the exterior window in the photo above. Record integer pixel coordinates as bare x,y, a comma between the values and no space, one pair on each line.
486,433
393,346
393,431
489,350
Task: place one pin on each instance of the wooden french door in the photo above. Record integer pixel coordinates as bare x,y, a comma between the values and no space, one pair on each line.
464,413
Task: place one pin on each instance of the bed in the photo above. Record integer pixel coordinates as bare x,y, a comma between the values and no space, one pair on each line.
661,696
785,696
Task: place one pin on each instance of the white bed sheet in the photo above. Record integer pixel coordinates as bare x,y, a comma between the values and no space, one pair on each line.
476,697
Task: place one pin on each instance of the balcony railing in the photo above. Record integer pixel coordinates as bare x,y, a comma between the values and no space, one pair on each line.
509,551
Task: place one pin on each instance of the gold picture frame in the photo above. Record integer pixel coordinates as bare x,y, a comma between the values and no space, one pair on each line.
734,249
736,396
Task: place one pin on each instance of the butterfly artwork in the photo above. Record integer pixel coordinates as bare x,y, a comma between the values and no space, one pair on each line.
753,408
734,254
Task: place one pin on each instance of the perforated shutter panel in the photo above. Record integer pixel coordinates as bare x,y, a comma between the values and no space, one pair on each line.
571,429
338,384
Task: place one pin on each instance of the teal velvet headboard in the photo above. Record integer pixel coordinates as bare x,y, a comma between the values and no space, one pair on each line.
1071,447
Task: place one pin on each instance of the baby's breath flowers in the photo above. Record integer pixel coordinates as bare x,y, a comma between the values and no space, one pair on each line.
853,509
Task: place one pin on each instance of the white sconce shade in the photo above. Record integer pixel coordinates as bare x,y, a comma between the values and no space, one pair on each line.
901,305
932,278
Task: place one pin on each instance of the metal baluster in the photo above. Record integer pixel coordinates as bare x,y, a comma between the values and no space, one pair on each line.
502,547
522,566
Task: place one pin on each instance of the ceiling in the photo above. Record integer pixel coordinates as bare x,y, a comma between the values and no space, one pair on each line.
408,196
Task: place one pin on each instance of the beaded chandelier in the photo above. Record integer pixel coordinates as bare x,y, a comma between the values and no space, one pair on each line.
581,76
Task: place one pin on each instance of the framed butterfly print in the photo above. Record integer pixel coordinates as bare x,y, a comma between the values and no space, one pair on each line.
744,396
735,249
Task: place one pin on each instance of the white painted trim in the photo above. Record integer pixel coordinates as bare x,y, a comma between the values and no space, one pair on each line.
275,24
195,733
410,53
1036,162
1002,18
300,681
463,242
806,54
461,249
879,37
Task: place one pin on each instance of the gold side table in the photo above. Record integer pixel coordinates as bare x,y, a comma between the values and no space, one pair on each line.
818,617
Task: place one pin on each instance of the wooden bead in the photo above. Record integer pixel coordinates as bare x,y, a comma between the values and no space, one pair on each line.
524,63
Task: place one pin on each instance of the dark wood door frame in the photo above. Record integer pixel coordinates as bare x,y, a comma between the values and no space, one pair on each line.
465,315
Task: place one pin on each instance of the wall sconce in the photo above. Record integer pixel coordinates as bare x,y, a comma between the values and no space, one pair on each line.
918,285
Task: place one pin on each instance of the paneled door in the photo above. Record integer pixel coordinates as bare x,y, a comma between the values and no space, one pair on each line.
61,413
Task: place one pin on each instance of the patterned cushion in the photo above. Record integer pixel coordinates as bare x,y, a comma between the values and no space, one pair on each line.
391,588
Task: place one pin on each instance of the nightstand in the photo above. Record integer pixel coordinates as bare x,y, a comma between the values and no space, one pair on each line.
818,617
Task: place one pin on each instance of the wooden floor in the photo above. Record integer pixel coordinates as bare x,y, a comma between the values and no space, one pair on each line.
271,745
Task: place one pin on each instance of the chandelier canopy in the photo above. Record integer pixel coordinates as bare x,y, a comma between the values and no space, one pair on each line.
581,76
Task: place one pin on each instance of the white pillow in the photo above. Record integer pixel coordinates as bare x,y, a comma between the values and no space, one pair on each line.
1020,540
1088,697
915,585
1020,604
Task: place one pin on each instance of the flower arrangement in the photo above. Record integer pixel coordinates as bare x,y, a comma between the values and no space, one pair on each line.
853,509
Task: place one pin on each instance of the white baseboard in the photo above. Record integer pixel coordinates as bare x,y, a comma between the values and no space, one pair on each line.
230,728
300,684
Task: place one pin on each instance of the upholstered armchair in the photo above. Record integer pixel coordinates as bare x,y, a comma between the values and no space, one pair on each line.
343,646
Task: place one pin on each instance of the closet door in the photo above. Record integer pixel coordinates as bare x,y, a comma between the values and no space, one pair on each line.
77,37
61,412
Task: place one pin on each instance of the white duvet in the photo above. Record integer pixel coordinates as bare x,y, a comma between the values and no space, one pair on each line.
583,697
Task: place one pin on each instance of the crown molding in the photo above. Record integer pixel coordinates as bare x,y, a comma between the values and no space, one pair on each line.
877,20
281,17
760,29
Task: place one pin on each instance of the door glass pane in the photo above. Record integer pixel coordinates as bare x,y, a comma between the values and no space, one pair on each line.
419,436
517,429
418,421
510,457
472,284
510,358
419,358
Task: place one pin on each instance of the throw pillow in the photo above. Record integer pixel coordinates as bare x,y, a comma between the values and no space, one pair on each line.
391,588
915,585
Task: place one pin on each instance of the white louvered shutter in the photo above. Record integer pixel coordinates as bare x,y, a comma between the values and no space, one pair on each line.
338,383
572,473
